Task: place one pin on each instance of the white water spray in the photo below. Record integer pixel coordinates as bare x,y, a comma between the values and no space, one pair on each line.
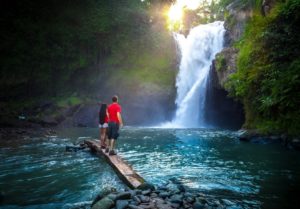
197,53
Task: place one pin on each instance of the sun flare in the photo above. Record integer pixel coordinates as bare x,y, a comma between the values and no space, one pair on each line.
176,11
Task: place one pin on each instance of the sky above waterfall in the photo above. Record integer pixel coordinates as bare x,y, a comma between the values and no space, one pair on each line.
176,11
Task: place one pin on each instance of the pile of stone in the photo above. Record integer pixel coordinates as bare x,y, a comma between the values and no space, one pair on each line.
168,196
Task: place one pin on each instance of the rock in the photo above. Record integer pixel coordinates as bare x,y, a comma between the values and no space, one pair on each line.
132,192
79,205
162,188
146,186
234,207
202,200
198,205
174,180
68,112
104,203
132,202
163,206
153,194
181,188
147,206
146,192
266,6
112,196
85,116
176,199
224,65
187,205
173,188
103,193
190,199
134,207
123,196
122,204
227,202
137,199
158,201
144,199
164,194
175,205
138,191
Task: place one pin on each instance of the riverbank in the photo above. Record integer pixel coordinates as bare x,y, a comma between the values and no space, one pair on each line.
167,196
254,136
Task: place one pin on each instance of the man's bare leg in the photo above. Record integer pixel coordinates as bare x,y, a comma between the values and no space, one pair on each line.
112,144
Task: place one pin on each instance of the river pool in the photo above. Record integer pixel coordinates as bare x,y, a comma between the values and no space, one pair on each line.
38,172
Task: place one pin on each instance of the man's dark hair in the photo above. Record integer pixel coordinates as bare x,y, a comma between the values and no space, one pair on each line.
115,98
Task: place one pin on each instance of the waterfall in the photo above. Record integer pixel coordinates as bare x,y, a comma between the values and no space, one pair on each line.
198,50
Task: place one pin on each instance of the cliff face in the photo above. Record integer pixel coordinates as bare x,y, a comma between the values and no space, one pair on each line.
260,63
235,22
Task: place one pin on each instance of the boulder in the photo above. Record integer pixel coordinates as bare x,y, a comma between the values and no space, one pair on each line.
104,203
103,193
146,192
122,204
144,199
146,186
123,196
134,207
176,199
198,205
164,194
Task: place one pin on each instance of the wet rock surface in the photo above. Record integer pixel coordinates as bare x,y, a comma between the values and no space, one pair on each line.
171,195
22,133
254,136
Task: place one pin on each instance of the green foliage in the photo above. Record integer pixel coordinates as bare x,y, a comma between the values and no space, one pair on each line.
220,62
54,48
68,101
268,76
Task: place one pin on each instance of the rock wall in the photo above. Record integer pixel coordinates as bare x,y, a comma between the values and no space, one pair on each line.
235,24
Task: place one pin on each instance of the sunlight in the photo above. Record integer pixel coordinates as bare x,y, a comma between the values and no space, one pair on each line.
176,12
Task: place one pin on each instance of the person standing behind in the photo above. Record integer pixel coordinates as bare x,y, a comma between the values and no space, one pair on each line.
103,124
114,124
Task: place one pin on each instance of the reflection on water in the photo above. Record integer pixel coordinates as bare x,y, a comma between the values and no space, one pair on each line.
215,162
38,173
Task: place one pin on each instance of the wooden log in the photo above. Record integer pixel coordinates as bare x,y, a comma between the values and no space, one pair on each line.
122,168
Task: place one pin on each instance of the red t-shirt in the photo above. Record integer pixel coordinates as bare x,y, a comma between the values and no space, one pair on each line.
113,109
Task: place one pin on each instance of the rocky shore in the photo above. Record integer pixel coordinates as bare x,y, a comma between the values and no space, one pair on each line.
254,136
171,195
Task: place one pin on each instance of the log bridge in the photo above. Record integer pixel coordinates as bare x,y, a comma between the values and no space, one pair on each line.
122,168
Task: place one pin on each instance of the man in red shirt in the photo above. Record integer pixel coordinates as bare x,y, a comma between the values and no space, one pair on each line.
115,122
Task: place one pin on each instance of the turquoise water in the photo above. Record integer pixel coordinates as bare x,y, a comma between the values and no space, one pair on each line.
38,173
216,163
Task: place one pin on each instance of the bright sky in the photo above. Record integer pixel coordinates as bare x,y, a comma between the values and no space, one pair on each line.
176,10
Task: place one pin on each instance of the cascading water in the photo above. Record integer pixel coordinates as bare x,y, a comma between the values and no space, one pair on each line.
197,53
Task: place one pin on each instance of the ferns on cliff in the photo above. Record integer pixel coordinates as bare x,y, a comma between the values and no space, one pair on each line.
268,76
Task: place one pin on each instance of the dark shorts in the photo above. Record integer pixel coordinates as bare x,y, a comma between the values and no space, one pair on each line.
113,130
